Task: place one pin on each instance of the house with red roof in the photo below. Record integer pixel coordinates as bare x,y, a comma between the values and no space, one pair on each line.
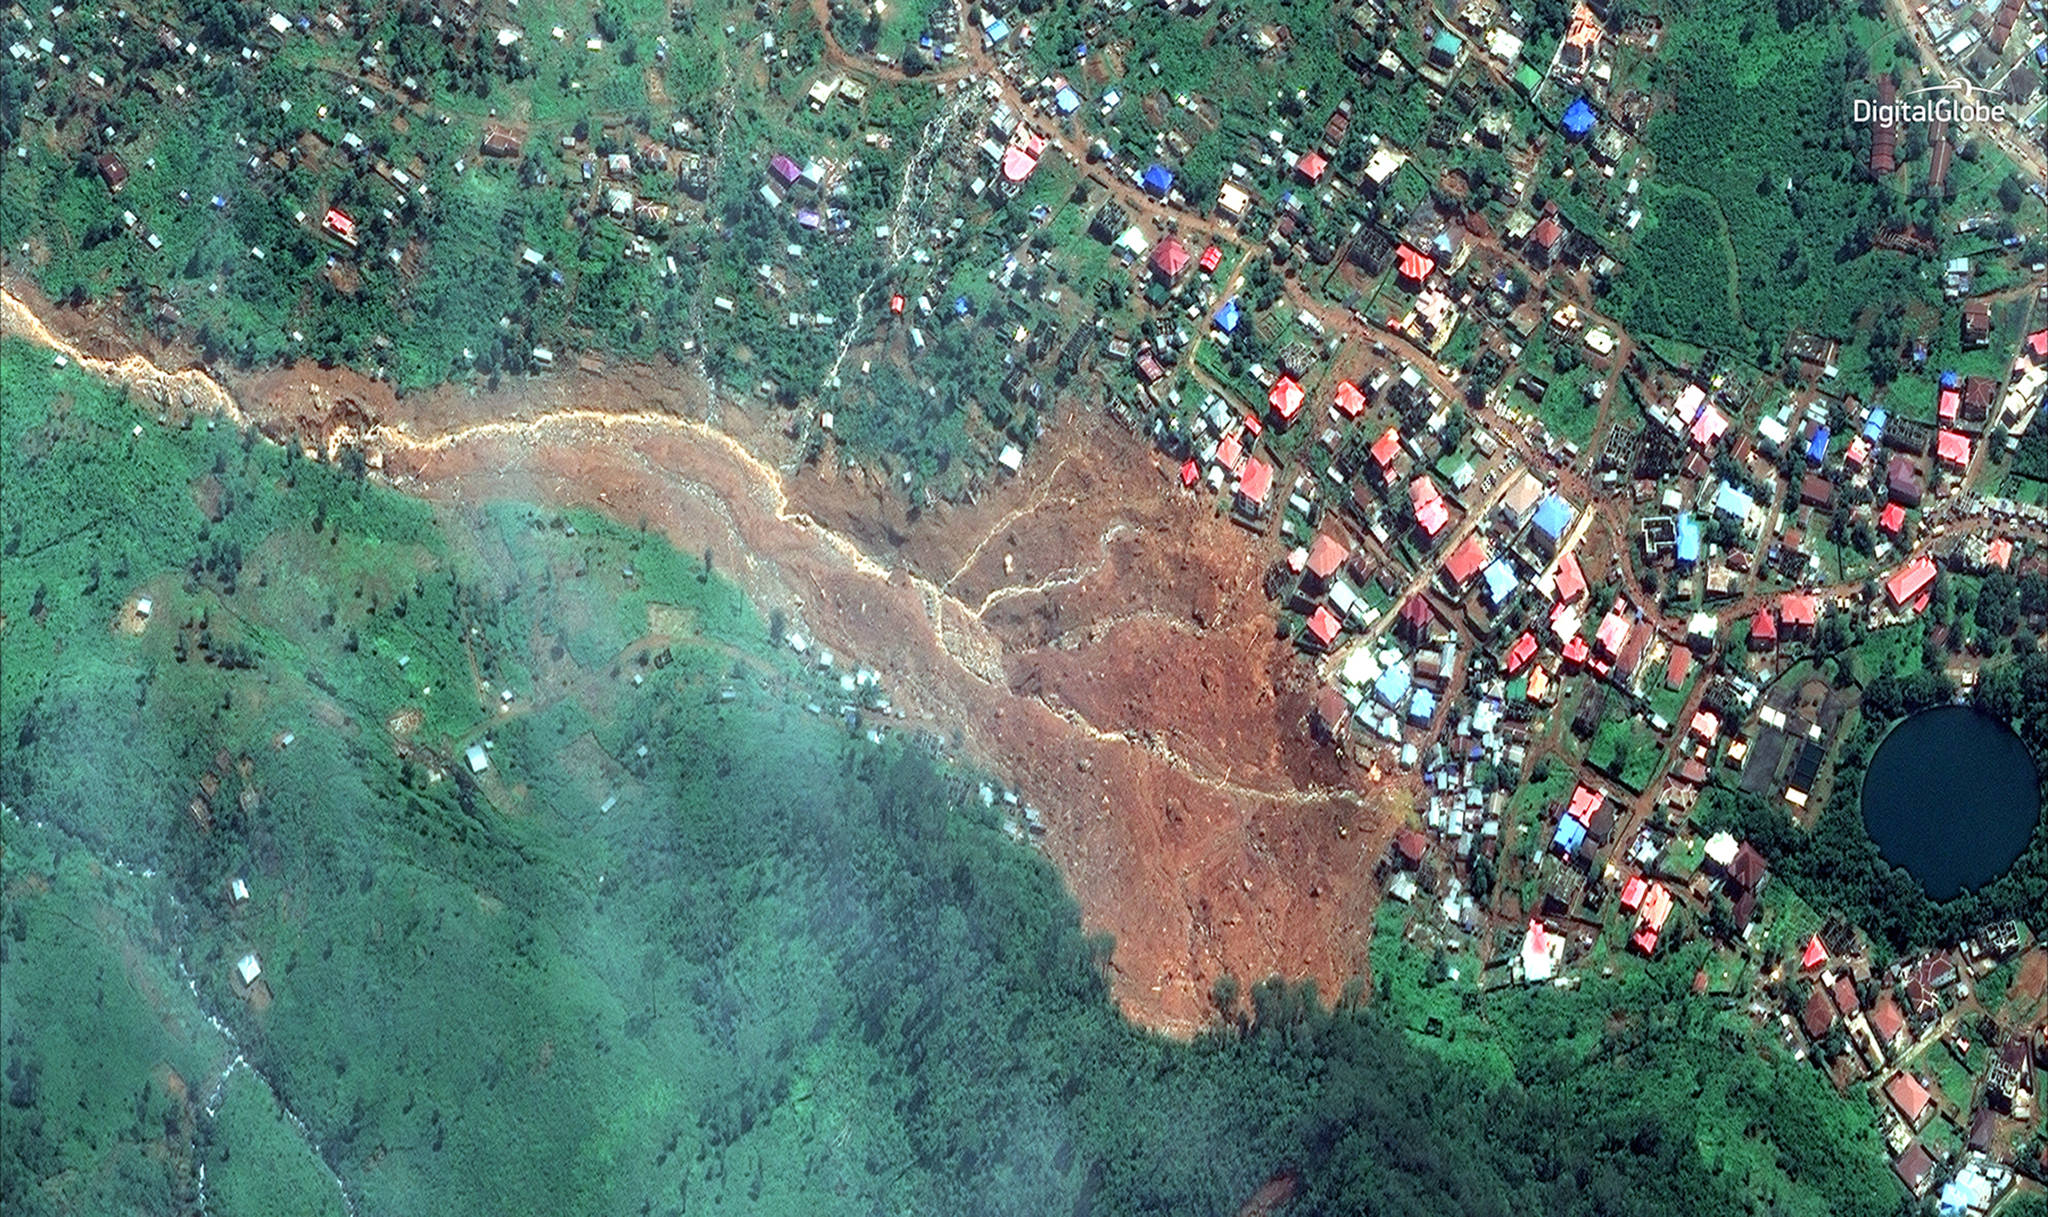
1253,484
1416,620
1385,451
1212,258
1169,259
1575,653
1520,654
1953,449
1888,1022
1571,580
1285,397
1230,453
1799,612
1323,628
1910,1097
1325,555
1892,520
1350,399
1465,562
1613,632
1633,891
1415,266
1311,166
1679,668
1190,473
1763,630
1998,554
1657,904
1431,513
1910,581
1584,804
1948,404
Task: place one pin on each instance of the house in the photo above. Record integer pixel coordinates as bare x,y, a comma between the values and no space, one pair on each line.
1414,265
1520,654
1212,258
1903,481
1501,582
1678,668
1748,870
1544,241
1799,612
1818,1015
1285,397
1910,581
1888,1023
339,225
1324,557
1843,991
500,143
1571,580
479,760
1892,520
249,969
1444,50
1415,621
1431,514
1253,484
1910,1097
1952,449
1578,119
1978,394
1763,631
1169,260
1350,399
1158,182
1976,324
1410,847
1915,1169
1816,490
1385,451
1231,200
1311,165
1322,629
1331,716
112,172
1553,518
1465,563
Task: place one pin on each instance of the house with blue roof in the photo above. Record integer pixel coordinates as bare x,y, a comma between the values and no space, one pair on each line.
1392,684
1552,520
1500,580
1570,835
1817,448
1579,119
1066,100
1734,502
1422,707
995,29
1158,180
1873,427
1687,546
1226,317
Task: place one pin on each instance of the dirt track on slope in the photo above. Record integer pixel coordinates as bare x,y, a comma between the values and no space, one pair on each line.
1087,632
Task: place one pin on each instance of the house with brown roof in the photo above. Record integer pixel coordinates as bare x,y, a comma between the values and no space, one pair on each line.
1888,1023
1977,324
1818,1015
1915,1169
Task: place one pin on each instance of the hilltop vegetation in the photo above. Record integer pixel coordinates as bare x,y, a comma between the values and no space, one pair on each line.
682,946
1762,218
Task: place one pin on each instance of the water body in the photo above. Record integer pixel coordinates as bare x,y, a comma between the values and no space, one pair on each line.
1952,796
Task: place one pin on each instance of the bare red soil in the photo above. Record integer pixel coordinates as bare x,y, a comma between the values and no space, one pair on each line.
1086,630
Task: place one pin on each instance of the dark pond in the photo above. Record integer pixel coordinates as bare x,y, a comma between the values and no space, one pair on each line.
1952,796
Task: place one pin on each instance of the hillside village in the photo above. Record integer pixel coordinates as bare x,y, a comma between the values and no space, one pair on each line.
1579,578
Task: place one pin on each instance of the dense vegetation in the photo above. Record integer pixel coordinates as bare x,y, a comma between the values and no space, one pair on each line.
1761,219
683,947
